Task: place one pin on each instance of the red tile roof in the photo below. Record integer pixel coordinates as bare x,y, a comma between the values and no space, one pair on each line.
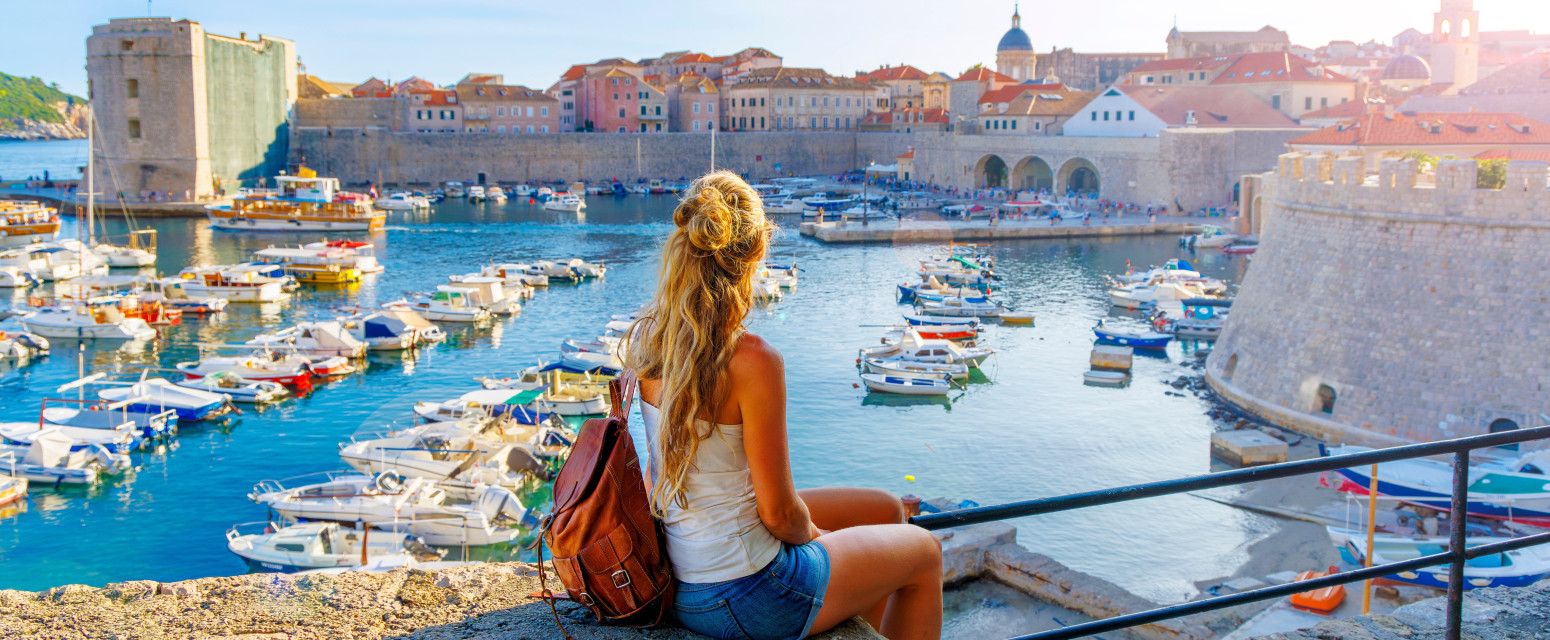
1424,129
983,73
901,72
435,97
907,154
1515,155
1275,67
1214,106
1348,109
695,57
878,117
574,72
918,114
1008,94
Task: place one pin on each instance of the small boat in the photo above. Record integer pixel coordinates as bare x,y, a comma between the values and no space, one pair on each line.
95,318
1203,319
1105,378
125,257
1016,317
237,388
402,201
235,283
1515,489
494,403
515,274
960,307
914,386
925,321
48,458
1209,236
935,332
381,332
22,344
291,371
1518,568
591,361
1240,248
783,205
1175,269
412,505
313,339
565,202
313,266
298,203
489,293
965,211
460,456
900,367
825,205
865,211
319,545
1163,291
656,187
113,419
476,193
156,395
23,222
12,489
1135,339
358,254
1321,601
912,346
447,304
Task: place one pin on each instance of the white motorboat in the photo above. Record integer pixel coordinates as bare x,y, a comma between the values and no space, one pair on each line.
1209,236
402,201
352,253
97,318
239,283
1162,292
586,269
765,290
453,457
125,257
783,205
914,348
590,361
491,403
22,344
289,370
447,304
901,367
907,385
866,211
12,489
1105,378
1173,269
412,505
157,395
147,426
514,274
565,202
960,308
496,194
313,339
489,293
476,193
48,458
237,388
1518,568
456,190
382,329
116,434
319,545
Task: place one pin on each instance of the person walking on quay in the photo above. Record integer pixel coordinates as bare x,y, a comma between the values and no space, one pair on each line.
752,555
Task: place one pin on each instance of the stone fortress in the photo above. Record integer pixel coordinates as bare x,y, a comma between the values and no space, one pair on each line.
1393,308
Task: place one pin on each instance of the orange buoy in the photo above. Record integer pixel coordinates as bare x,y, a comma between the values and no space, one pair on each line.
1320,601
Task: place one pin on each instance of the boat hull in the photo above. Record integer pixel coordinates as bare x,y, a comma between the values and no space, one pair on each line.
230,222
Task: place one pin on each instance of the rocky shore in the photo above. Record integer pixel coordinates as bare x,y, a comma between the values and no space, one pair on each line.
466,602
73,127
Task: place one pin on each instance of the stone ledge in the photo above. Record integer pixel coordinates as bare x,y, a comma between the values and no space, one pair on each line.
1326,430
475,601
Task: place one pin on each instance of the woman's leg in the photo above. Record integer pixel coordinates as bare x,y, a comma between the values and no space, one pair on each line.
836,508
896,564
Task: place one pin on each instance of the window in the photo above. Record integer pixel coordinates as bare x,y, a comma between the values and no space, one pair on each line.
1275,102
621,112
1014,125
500,111
790,122
546,128
1036,126
826,122
1132,116
543,111
1105,116
696,110
1323,102
826,101
1231,368
132,88
696,122
812,123
643,109
1325,399
761,102
1500,425
616,83
710,107
529,128
126,45
1307,103
761,122
847,122
1095,116
502,129
134,128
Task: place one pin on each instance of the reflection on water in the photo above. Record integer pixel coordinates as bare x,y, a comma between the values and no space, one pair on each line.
1024,427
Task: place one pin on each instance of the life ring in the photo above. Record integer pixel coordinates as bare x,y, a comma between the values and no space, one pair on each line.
1189,312
389,482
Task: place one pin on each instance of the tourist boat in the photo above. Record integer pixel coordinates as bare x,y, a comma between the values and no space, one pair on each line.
413,505
1135,339
237,388
1203,319
313,339
49,459
238,283
907,385
564,201
22,344
488,293
1105,378
1175,269
318,545
97,318
928,321
476,193
865,211
156,395
1515,489
355,253
915,348
289,370
900,367
1518,568
402,201
1209,236
24,222
494,403
313,266
540,376
298,203
447,304
12,489
496,194
656,187
960,307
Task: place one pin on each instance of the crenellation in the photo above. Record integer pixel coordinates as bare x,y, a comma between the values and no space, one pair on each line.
1288,163
1349,170
1527,177
1310,168
1388,173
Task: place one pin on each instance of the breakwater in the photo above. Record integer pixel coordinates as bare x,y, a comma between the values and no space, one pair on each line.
853,232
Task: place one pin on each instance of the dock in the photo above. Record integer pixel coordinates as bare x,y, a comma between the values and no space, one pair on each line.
68,202
939,230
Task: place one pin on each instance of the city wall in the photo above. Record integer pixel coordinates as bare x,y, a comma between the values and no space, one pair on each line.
1185,168
1417,311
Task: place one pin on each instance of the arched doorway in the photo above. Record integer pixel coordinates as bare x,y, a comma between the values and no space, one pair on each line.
990,172
1324,400
1500,425
1033,174
1231,368
1079,176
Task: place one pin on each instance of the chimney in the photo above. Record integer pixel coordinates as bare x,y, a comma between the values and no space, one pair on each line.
1388,110
242,35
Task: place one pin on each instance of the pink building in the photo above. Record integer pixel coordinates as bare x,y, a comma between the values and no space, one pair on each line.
491,106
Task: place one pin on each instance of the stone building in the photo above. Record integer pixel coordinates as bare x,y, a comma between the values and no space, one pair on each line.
905,120
186,113
1202,44
1014,53
614,97
1388,134
1362,321
491,106
1088,71
793,98
1455,44
906,85
1029,110
431,111
965,94
1145,112
692,101
1291,84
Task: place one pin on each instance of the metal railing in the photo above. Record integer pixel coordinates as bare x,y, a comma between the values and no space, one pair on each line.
1456,555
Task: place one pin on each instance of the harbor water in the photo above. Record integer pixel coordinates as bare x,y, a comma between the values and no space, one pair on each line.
1030,428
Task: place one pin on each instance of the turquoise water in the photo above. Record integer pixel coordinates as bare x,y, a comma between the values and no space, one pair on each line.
62,159
1032,430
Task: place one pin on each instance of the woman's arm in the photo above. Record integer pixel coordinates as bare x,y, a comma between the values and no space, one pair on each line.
757,380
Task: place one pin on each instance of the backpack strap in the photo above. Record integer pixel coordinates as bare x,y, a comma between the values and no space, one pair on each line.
621,390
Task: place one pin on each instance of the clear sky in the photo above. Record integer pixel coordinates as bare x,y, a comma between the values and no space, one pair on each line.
533,42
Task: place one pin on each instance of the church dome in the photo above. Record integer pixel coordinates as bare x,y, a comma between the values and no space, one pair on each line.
1407,68
1015,39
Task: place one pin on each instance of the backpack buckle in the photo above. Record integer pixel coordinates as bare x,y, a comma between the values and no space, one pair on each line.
616,578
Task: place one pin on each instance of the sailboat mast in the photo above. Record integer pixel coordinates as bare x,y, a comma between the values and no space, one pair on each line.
91,173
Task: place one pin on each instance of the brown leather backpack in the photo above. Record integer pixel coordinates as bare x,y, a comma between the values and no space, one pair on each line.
607,549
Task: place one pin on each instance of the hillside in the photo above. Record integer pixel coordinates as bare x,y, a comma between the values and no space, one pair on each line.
32,110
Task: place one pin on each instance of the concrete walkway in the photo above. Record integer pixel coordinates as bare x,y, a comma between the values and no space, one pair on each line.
61,197
936,229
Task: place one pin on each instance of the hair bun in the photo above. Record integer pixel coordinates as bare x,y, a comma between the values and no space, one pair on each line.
710,221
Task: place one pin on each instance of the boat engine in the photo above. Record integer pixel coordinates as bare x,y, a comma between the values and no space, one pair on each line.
499,503
521,460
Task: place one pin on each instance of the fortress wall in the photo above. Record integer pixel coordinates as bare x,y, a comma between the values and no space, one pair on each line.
1423,307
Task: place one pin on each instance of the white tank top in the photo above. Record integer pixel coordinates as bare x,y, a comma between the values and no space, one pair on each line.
718,535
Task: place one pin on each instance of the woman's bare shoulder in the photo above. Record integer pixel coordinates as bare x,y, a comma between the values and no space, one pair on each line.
753,357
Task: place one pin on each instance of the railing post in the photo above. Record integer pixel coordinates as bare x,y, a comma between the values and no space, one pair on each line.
1457,521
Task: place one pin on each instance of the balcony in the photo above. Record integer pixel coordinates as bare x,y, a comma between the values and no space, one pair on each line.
475,116
655,117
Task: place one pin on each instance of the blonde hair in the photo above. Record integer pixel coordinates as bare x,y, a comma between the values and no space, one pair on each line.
693,324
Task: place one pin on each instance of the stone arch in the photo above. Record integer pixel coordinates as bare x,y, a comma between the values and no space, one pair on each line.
1231,368
1500,425
1033,173
1078,175
990,171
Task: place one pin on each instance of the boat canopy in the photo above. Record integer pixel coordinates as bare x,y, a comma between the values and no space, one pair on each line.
1207,302
380,325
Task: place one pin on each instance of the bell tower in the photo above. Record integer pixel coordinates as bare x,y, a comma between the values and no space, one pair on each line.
1456,44
1014,54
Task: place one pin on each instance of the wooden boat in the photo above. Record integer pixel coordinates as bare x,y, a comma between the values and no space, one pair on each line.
313,266
1515,489
12,489
298,203
318,545
925,321
24,222
1518,568
1322,601
907,385
1106,378
1135,339
899,367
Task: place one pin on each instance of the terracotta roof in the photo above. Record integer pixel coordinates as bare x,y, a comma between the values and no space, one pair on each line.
901,72
480,79
878,117
1348,109
435,97
983,73
907,154
1515,155
1373,62
1214,106
500,93
1182,64
1008,94
574,72
694,57
1275,67
1050,103
918,114
1424,129
800,77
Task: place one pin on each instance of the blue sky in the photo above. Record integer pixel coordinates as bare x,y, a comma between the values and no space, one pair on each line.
532,42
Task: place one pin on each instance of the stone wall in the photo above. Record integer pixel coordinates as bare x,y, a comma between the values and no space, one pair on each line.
249,89
1422,308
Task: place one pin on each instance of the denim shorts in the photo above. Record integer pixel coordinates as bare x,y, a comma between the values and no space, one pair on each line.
780,602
